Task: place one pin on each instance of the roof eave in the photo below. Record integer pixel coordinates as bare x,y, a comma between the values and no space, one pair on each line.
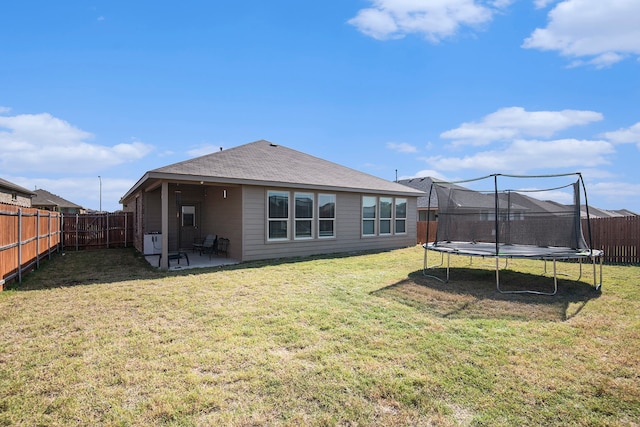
201,179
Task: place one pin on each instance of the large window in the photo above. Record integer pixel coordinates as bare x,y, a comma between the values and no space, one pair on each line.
369,215
401,216
304,216
386,212
326,215
383,216
278,216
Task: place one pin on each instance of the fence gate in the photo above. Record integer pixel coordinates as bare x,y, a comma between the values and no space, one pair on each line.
96,231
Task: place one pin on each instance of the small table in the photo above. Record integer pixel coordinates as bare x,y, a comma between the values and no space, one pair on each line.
175,256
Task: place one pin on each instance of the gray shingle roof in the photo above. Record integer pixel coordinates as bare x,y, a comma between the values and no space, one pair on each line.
45,198
423,184
14,187
266,163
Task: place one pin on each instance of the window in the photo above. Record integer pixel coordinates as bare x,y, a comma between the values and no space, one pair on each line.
401,216
278,215
369,215
425,215
386,211
326,215
188,216
304,216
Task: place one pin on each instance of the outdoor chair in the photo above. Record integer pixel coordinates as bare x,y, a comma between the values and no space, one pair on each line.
207,246
223,247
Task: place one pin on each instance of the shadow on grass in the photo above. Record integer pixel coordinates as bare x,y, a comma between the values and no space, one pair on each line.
472,293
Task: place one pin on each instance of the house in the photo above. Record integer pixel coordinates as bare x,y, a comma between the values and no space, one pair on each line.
428,201
12,194
602,213
51,202
270,201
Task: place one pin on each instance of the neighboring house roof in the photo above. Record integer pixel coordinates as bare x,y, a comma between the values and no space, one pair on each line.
268,164
625,212
536,205
423,184
523,201
471,198
43,198
14,187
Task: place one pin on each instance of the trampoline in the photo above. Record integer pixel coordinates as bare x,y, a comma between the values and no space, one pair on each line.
508,223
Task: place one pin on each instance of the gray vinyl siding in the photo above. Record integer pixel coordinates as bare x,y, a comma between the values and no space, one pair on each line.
223,216
153,212
348,229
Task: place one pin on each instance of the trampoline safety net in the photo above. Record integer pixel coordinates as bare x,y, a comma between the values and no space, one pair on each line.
508,216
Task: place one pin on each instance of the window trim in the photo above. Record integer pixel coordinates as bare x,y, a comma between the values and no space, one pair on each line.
286,220
388,219
310,220
373,219
395,215
332,219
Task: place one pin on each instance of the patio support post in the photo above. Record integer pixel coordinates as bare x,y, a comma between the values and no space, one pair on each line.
164,261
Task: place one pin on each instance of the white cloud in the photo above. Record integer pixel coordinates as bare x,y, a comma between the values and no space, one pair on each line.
48,144
541,4
618,193
630,135
515,122
433,19
528,155
603,31
426,173
402,147
4,109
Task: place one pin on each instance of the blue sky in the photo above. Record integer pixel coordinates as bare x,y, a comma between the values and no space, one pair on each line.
454,89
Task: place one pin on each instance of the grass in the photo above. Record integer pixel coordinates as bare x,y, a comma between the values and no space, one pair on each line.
101,338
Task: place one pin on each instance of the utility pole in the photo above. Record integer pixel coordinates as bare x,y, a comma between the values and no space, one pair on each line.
100,178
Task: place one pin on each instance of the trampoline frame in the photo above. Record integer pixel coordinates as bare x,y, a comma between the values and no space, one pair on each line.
487,250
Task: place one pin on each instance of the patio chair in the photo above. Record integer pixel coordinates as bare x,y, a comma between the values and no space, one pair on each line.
207,246
223,246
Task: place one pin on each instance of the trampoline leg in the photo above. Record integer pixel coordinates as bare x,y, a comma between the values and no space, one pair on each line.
580,275
426,267
555,282
498,275
598,286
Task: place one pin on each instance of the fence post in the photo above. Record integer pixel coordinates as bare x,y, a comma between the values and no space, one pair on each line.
77,236
108,230
49,236
20,245
38,238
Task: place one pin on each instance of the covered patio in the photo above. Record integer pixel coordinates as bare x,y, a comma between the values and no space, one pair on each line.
190,260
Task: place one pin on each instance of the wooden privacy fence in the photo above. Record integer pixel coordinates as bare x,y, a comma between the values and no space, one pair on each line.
95,231
422,231
618,237
27,235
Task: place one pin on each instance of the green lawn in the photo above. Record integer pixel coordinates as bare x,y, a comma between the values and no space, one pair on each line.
101,338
